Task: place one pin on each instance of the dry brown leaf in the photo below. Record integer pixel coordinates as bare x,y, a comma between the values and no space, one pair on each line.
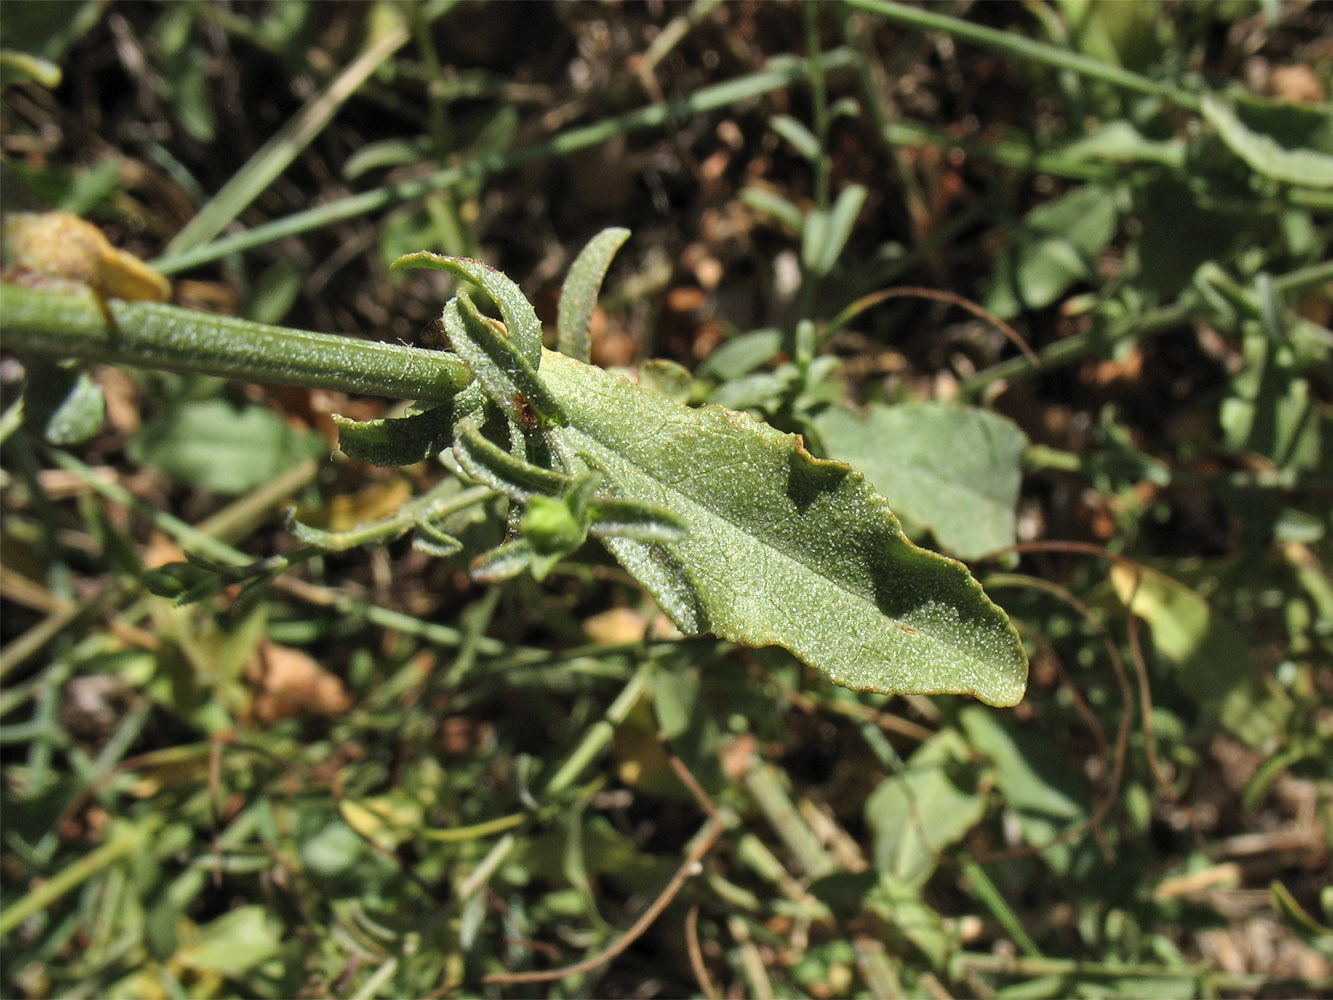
290,682
1296,83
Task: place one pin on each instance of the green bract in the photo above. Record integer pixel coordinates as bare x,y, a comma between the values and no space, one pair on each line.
732,525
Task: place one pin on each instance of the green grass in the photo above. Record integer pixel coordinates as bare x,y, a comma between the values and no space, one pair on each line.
366,774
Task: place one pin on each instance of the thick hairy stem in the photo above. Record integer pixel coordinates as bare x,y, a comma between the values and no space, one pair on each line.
71,322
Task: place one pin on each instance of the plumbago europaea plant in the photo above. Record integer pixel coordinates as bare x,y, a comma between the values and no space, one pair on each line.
732,526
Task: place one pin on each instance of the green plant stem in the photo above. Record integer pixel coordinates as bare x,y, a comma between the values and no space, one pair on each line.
124,839
194,538
1027,968
476,622
984,888
378,980
276,155
1006,150
443,204
1080,345
1026,48
779,73
600,732
1305,277
1155,321
818,104
766,788
876,968
209,540
62,323
202,542
437,502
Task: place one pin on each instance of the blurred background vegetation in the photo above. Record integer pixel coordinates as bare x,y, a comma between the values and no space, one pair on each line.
384,780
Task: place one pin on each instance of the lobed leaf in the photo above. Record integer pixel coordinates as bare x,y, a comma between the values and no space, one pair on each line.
782,548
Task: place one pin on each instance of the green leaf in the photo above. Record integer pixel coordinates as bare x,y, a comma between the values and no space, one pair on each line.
909,918
233,943
1119,141
1264,154
742,355
954,470
1037,781
523,328
78,191
217,447
1165,207
191,581
578,295
801,138
1210,657
185,69
765,201
1053,247
509,560
436,541
397,441
825,234
63,404
667,377
20,67
1271,409
504,373
49,29
1286,906
636,519
782,548
490,465
930,805
275,290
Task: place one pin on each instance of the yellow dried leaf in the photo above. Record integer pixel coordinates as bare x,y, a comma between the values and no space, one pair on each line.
616,625
62,246
347,510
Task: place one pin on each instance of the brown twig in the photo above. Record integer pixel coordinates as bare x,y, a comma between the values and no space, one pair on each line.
1119,752
696,953
1136,657
704,841
1149,740
1122,679
940,295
